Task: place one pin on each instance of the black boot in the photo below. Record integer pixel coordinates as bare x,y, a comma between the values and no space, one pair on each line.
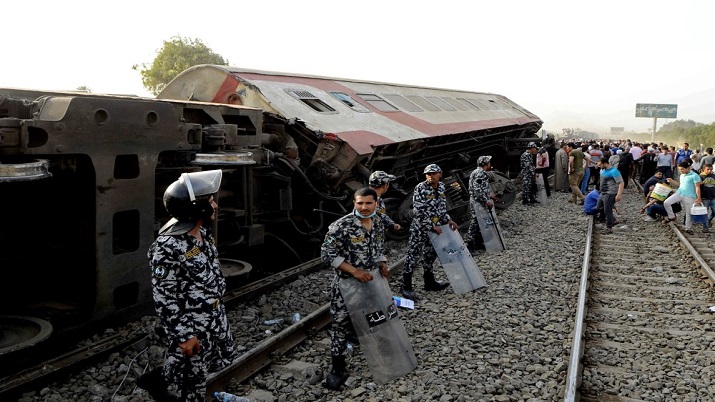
155,384
337,376
407,291
431,283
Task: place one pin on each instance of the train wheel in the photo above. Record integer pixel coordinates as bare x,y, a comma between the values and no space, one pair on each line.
18,332
504,188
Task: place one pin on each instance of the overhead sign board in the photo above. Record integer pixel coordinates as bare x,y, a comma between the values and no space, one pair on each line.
656,110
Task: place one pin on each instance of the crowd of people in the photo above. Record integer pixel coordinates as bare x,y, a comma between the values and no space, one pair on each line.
674,179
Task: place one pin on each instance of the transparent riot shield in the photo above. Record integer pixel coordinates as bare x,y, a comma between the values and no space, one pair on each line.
458,264
541,190
382,334
489,227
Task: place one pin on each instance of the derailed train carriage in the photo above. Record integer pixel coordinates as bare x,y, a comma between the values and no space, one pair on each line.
82,175
340,130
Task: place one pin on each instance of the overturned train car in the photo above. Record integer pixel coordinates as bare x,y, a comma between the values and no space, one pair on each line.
81,184
82,175
339,130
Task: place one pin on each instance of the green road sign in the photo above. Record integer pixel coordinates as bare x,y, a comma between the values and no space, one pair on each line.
656,110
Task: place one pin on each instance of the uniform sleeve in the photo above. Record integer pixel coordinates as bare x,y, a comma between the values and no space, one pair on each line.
331,247
380,247
441,204
473,192
169,297
382,212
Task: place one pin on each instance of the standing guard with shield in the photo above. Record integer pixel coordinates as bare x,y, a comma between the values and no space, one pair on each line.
480,192
355,247
429,203
484,230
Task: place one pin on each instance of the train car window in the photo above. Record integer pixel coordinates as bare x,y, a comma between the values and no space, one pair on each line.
455,103
494,104
378,103
468,103
311,100
348,101
439,102
403,103
424,103
488,104
479,104
499,104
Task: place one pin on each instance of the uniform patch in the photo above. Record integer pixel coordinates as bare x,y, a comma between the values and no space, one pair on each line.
192,253
160,272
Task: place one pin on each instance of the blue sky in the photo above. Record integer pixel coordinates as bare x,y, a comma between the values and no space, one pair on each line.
548,56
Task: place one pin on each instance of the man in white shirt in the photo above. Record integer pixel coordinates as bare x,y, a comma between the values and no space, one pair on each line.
637,152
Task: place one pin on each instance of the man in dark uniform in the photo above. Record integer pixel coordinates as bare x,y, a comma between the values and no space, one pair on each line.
380,182
354,245
528,175
479,192
429,204
187,287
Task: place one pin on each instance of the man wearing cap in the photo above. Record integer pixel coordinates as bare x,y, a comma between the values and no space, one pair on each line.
380,182
479,192
429,202
528,175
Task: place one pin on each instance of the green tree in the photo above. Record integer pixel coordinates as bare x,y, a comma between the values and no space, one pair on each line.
175,56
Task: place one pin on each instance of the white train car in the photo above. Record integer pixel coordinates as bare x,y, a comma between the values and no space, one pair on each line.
346,128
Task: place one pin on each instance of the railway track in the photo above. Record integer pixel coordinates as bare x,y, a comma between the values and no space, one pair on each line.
644,313
479,347
73,360
275,347
265,353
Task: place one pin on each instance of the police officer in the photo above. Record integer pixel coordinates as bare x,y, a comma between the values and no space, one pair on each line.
187,288
480,192
353,245
528,175
430,208
380,182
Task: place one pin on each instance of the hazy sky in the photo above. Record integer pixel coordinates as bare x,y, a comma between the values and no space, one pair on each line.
548,56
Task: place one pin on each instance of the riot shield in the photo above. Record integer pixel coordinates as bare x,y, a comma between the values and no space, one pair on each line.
540,190
461,270
382,334
489,227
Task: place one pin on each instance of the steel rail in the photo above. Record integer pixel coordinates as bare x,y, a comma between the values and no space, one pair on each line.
573,378
704,265
58,367
269,350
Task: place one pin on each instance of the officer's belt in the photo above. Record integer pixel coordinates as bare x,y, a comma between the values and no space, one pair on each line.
207,306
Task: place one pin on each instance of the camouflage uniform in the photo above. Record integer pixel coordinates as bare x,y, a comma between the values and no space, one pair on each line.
347,240
377,179
187,287
528,175
430,208
382,213
479,190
